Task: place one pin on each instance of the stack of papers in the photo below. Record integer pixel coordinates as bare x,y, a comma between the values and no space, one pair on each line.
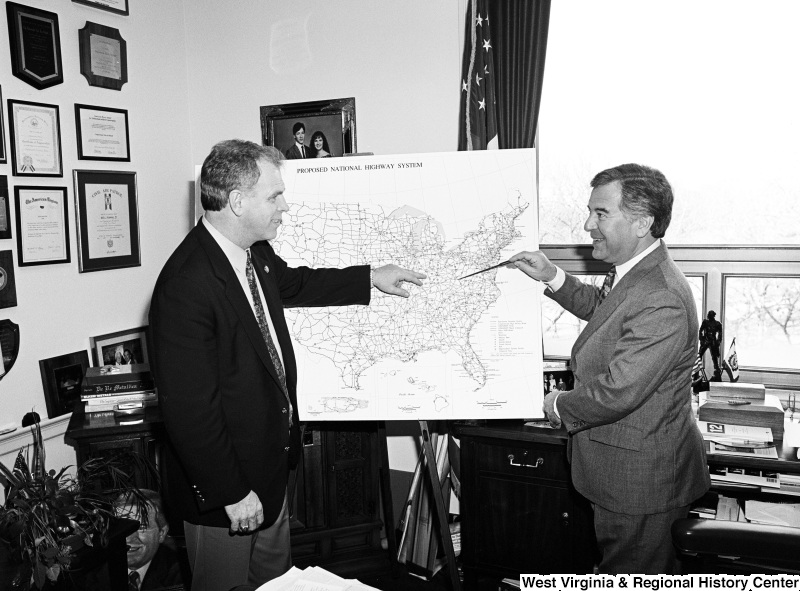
313,578
773,513
742,476
734,434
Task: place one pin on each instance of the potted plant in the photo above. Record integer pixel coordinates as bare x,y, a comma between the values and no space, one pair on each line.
48,516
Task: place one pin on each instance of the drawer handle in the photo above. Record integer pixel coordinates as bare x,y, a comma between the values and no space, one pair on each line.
539,462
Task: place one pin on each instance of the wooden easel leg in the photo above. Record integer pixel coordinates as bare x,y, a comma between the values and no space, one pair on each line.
441,513
386,495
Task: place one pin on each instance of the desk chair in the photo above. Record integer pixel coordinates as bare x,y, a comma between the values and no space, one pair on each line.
734,547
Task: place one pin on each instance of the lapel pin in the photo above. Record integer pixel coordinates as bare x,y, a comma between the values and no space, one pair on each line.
266,269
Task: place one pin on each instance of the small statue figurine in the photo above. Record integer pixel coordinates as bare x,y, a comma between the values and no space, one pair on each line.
711,339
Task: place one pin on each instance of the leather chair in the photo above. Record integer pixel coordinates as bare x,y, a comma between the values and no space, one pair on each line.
713,546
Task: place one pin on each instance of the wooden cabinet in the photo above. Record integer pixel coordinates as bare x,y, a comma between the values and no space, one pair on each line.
519,511
335,514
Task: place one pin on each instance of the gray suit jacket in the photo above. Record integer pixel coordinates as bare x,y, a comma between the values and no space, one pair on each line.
635,446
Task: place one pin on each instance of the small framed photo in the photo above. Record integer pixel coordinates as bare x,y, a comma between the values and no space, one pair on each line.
116,6
42,225
102,133
107,215
5,208
35,45
103,56
61,378
124,347
558,380
317,129
8,284
35,139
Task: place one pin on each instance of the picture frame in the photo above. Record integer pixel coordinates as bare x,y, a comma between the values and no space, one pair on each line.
5,208
3,153
35,139
42,225
8,282
61,379
103,56
335,118
102,133
35,45
107,220
115,6
106,346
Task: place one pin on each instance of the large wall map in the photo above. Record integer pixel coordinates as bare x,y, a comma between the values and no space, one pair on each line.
457,348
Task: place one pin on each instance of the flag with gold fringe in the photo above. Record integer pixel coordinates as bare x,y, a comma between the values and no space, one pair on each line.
731,362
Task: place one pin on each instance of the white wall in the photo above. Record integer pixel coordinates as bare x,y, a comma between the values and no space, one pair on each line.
198,72
59,309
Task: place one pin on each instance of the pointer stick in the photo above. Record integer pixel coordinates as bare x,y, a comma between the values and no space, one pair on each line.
503,264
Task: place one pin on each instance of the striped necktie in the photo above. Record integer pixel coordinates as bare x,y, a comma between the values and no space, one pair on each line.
262,324
133,580
608,283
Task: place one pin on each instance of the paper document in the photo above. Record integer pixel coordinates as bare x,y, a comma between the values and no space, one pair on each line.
716,447
734,433
313,578
773,513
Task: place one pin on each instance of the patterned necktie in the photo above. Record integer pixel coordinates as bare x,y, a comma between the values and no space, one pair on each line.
262,324
608,283
133,581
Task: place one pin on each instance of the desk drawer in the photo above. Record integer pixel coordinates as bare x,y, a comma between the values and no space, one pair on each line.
542,461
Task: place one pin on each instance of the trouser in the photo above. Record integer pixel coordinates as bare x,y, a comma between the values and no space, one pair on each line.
714,353
637,544
221,560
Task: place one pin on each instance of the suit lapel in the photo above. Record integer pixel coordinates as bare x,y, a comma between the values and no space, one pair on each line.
618,295
237,298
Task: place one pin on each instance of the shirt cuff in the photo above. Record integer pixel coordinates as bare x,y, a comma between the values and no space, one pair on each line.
558,281
371,277
555,404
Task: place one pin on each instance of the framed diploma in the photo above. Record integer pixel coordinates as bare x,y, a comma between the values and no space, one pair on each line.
42,227
118,6
102,133
5,210
35,139
3,156
107,220
35,45
104,56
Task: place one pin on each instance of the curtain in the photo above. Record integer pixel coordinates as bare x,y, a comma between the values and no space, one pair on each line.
502,71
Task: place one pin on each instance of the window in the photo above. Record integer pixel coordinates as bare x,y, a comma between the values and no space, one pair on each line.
703,92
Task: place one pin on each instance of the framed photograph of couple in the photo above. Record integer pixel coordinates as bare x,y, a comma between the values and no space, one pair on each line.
61,379
107,216
124,347
316,129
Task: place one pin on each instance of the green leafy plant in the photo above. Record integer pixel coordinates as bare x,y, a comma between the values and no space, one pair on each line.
48,516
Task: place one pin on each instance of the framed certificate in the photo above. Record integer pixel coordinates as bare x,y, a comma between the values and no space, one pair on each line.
118,6
35,139
35,45
3,156
42,227
103,56
107,217
102,133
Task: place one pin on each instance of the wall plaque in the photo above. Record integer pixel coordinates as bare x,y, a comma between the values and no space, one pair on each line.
9,346
35,45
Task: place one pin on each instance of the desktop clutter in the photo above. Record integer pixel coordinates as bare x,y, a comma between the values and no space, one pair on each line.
118,391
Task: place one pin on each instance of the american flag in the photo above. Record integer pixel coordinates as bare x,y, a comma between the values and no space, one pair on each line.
20,465
478,111
731,362
698,366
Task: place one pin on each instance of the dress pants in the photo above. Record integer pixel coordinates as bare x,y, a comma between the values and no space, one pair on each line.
637,544
221,560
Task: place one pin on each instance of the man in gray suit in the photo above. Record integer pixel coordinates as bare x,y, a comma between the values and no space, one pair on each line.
635,450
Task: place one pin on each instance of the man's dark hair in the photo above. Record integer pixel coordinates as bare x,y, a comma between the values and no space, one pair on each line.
233,164
645,191
297,127
711,314
153,500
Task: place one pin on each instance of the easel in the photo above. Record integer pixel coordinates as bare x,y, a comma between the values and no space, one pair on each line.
430,475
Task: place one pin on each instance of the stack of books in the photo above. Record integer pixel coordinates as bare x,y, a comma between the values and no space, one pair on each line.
121,389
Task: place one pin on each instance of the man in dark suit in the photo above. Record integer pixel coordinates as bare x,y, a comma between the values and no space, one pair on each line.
225,368
298,149
635,450
155,565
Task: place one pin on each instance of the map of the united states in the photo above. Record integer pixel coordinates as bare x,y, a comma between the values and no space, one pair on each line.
438,317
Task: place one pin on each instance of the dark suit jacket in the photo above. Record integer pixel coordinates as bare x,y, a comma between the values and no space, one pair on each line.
635,446
224,412
293,153
164,571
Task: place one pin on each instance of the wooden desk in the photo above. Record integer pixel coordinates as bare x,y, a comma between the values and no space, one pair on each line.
519,511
